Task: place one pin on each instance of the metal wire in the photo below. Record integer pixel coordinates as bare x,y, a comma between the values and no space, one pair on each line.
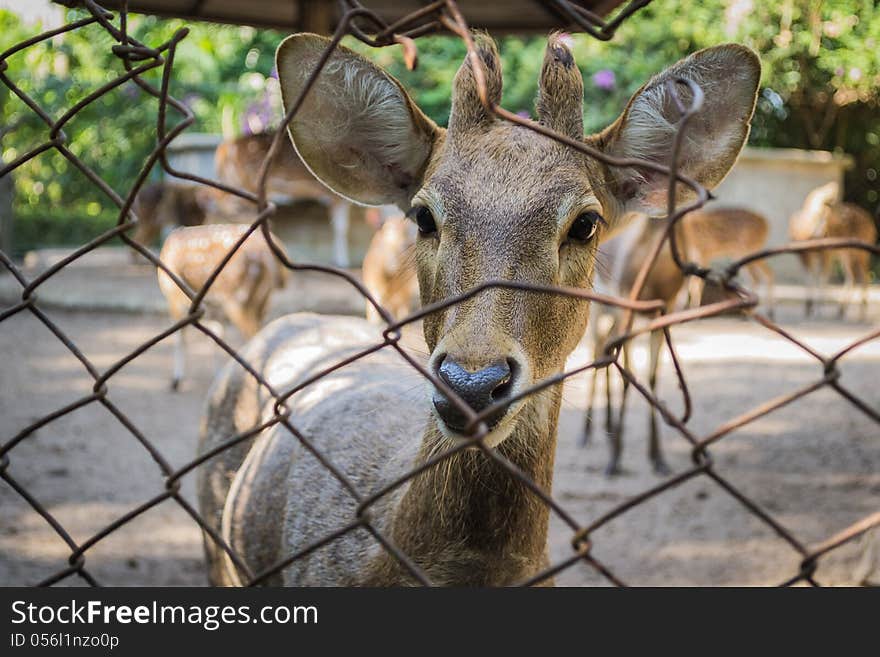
368,27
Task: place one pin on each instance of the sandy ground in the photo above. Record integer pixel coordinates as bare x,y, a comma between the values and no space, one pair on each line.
814,465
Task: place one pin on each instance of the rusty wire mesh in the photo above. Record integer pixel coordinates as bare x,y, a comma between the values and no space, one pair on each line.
360,22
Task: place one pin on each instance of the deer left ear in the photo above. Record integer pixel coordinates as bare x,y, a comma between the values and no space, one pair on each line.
728,76
357,129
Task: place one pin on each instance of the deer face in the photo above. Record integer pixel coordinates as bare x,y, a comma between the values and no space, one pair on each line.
498,202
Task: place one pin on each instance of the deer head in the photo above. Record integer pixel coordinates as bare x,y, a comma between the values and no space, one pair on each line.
493,200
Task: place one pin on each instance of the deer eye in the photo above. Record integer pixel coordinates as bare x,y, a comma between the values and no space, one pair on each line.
425,221
585,226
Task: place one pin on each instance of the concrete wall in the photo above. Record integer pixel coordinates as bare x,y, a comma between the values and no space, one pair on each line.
774,182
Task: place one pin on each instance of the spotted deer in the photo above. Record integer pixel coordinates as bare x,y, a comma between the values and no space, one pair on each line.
493,201
709,234
238,163
388,269
824,215
241,292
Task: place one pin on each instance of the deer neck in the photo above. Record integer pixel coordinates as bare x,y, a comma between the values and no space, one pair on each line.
467,521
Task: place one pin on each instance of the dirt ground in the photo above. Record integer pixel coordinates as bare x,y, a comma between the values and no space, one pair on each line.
814,465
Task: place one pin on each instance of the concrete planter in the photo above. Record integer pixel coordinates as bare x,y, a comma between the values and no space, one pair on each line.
774,182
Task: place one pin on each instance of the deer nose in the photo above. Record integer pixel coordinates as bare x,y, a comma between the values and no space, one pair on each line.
477,389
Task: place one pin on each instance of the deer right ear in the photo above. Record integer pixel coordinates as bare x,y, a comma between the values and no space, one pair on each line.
357,130
728,76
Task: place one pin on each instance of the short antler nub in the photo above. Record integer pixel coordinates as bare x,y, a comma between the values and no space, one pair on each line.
560,103
468,111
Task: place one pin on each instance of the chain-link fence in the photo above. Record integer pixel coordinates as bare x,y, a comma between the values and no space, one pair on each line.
360,22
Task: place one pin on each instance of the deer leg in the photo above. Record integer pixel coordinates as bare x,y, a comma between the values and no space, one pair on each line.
770,282
179,358
609,403
762,275
808,263
373,315
339,219
695,291
824,274
848,285
591,394
588,421
615,434
861,262
655,451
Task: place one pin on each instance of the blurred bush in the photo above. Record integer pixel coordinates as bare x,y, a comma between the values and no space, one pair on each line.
820,89
222,74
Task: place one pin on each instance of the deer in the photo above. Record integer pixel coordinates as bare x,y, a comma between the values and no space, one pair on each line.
495,202
622,258
163,206
708,234
703,235
240,294
388,269
238,161
824,215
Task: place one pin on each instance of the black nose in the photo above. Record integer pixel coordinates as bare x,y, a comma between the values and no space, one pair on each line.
478,390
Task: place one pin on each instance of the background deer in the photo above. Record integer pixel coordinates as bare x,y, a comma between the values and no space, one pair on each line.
621,259
238,162
824,215
492,201
709,234
165,206
241,292
389,270
703,236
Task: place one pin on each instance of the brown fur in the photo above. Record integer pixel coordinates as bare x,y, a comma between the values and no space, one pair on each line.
503,198
709,234
702,236
238,162
241,291
622,260
824,216
389,271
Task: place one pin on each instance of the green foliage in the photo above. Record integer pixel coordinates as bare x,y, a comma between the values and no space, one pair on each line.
820,87
221,73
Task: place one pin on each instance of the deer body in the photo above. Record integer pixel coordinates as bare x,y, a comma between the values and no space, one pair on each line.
703,236
824,215
389,271
493,202
240,293
710,234
238,162
623,257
